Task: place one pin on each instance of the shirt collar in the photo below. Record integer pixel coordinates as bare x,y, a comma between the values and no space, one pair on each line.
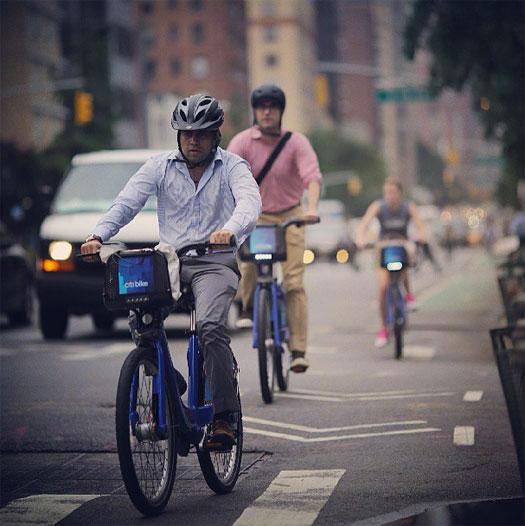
257,134
176,154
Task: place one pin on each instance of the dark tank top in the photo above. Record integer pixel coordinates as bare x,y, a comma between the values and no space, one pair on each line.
394,223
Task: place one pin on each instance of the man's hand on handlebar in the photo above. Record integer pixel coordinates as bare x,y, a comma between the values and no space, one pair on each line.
91,247
311,217
221,237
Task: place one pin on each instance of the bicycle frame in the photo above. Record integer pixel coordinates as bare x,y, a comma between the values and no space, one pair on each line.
190,419
279,323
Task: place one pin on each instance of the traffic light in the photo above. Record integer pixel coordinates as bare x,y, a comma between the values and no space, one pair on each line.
322,91
83,107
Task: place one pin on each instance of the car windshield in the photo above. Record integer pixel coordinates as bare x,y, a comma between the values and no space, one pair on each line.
93,187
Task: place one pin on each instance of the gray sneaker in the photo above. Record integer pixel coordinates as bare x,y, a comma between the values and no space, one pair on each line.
299,363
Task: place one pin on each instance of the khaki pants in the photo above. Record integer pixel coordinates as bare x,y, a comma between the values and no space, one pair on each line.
293,278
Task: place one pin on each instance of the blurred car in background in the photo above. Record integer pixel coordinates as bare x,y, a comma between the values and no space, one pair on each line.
329,240
17,278
66,285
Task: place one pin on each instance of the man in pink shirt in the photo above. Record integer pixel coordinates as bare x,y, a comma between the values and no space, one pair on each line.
295,170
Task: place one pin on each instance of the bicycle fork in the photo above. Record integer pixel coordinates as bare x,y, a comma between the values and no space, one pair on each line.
277,316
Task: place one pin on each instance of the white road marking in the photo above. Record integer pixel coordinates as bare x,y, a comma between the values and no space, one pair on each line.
307,429
473,396
7,352
309,397
42,509
419,352
294,498
297,438
341,397
93,354
464,436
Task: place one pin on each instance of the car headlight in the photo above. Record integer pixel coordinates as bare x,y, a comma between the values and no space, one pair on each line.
342,256
60,250
308,256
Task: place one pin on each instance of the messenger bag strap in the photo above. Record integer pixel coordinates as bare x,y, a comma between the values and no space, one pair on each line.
271,159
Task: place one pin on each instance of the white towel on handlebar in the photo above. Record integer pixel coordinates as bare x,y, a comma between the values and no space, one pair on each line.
173,268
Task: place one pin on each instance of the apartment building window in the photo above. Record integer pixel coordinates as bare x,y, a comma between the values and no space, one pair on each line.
196,5
175,67
174,32
150,69
148,37
124,42
268,8
271,60
146,7
197,33
270,34
199,67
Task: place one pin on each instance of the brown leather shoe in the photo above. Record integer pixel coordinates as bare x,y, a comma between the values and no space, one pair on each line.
222,437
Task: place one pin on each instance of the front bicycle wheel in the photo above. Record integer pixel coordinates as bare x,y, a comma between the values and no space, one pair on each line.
265,346
398,323
221,469
147,462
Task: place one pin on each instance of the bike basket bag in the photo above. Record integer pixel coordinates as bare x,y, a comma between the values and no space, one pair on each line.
266,242
394,257
137,278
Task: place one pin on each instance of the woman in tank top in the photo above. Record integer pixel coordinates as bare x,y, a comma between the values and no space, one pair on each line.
394,214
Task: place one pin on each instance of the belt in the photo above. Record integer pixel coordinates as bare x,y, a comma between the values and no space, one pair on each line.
283,211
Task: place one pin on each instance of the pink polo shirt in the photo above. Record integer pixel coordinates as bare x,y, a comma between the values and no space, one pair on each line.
295,167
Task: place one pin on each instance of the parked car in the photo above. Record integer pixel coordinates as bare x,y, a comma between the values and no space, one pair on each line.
17,278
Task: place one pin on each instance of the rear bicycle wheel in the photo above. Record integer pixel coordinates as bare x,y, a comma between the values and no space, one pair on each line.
280,374
147,463
221,469
265,347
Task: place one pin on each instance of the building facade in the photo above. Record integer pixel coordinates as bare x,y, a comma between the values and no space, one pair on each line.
31,61
190,47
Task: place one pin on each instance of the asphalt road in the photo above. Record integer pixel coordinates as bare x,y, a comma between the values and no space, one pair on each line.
360,439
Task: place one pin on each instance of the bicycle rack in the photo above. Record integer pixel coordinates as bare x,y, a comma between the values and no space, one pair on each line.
511,367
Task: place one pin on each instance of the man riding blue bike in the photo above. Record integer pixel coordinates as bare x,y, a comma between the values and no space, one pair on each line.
294,170
394,214
204,193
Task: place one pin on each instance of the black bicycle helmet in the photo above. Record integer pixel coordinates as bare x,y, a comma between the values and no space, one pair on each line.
268,92
197,112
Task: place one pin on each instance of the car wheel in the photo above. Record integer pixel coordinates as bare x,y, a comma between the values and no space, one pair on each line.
103,322
24,315
53,321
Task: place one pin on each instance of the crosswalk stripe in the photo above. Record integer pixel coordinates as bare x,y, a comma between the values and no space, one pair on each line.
294,498
42,509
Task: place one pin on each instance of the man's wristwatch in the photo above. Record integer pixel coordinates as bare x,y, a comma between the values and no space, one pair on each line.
93,237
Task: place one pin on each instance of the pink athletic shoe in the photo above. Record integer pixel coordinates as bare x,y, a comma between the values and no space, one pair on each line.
381,338
411,303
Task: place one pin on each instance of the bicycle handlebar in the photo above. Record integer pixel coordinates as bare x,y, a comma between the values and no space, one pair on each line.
300,222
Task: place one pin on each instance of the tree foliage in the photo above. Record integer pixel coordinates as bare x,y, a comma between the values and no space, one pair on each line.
337,153
479,44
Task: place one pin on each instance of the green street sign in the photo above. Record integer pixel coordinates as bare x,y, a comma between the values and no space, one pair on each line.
404,94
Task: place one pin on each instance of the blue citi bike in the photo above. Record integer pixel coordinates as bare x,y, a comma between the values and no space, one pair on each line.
153,423
264,247
394,258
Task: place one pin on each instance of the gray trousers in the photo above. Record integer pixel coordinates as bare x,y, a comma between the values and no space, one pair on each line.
214,284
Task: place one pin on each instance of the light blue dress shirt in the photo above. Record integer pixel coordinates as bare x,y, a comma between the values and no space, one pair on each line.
227,197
